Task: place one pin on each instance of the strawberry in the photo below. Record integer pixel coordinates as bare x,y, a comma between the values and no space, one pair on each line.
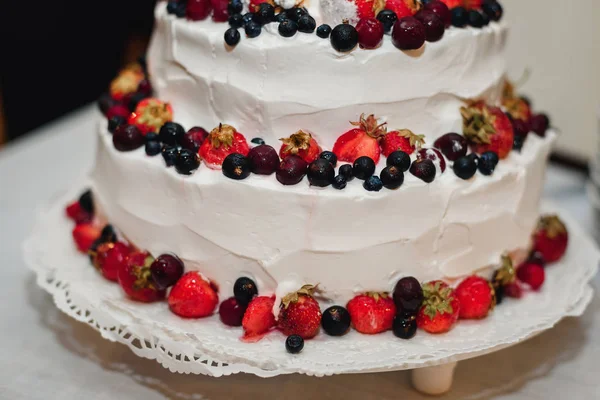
403,8
551,238
487,128
453,3
403,140
127,82
476,297
150,115
193,297
301,144
361,141
368,8
221,142
300,313
440,309
85,235
78,214
532,275
136,280
515,106
109,258
258,318
372,312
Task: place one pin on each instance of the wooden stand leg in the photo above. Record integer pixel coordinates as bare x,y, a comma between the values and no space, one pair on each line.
434,380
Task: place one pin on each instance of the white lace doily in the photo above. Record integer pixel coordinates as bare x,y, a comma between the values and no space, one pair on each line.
208,347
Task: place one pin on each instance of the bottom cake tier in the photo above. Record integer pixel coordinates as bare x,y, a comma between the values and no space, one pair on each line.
347,242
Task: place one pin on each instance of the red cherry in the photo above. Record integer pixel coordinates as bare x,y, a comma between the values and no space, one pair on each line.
531,274
198,9
231,312
118,110
370,33
220,13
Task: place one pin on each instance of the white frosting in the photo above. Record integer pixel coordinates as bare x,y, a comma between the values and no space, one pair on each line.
272,86
346,241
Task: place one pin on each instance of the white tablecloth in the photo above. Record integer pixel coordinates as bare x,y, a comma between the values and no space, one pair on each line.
45,355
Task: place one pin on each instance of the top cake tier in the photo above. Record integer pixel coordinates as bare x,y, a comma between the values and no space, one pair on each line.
272,86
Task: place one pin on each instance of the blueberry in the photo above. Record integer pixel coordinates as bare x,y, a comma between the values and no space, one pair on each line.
344,37
115,122
323,31
329,156
235,7
475,19
387,18
86,201
169,154
265,14
404,327
488,162
288,28
399,159
295,13
347,172
236,166
282,16
186,161
172,6
363,167
248,17
258,141
253,29
108,234
232,36
373,184
460,17
486,19
473,157
499,294
465,167
320,173
294,344
335,321
244,290
518,142
339,182
105,102
493,10
392,177
306,24
171,133
236,21
152,137
153,147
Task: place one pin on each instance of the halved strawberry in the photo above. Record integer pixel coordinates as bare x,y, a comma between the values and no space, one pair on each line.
487,128
403,140
77,213
403,8
150,115
301,144
440,309
108,258
372,312
258,318
368,8
361,141
85,235
221,142
127,82
300,313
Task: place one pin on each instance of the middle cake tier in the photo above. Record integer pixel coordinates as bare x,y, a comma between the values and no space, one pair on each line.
272,86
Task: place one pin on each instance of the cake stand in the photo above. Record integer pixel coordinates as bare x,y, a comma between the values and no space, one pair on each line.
208,347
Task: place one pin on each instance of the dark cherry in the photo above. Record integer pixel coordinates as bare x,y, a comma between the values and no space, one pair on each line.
424,170
231,312
399,159
171,133
193,138
329,156
244,290
291,170
344,38
434,26
370,33
320,173
452,145
335,321
392,177
128,138
263,159
441,10
433,155
236,166
387,18
294,344
539,124
347,172
363,167
408,296
166,270
408,34
520,127
404,327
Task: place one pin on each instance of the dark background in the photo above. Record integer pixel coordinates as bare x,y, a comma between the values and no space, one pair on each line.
58,55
